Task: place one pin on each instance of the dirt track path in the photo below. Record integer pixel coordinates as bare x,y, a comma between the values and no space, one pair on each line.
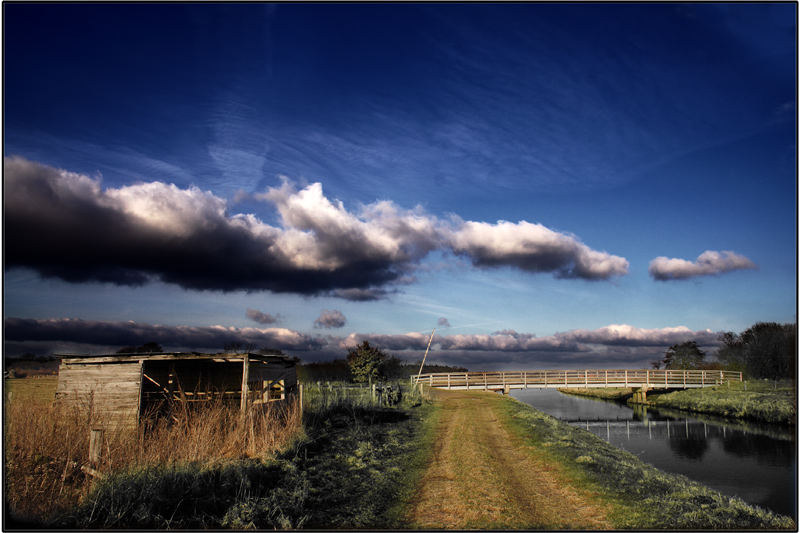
479,477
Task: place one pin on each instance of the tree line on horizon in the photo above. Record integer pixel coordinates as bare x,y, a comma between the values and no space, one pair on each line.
765,350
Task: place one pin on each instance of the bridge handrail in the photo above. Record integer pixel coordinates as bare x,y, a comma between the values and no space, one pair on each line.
597,377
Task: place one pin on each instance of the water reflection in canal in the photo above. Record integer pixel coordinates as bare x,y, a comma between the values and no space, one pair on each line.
758,463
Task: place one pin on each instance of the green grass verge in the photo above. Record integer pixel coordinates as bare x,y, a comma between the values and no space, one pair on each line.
610,393
762,401
639,495
356,467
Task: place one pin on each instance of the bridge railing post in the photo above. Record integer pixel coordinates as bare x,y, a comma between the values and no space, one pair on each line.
626,378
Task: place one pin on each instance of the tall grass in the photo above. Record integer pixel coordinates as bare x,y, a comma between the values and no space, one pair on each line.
355,461
46,446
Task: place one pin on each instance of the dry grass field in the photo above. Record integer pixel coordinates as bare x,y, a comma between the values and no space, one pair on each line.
46,444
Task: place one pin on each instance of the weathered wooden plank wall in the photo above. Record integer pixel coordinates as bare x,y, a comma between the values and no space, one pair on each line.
111,391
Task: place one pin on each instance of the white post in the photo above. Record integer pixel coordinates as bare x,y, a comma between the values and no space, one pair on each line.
626,378
586,378
426,355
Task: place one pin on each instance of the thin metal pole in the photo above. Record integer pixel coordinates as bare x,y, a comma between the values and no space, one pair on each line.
426,354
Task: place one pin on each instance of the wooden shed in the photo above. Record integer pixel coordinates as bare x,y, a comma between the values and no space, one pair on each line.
121,388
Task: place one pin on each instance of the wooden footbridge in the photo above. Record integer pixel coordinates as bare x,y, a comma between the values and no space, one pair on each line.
642,380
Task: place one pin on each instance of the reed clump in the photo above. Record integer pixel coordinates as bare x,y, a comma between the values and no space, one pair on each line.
46,447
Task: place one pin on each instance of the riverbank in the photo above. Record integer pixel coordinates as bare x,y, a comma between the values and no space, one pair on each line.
758,401
637,495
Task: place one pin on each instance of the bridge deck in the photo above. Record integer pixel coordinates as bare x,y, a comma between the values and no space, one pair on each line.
555,379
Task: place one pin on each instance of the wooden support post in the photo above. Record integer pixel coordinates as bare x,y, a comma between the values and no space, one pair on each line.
245,377
448,381
606,378
486,383
626,378
586,378
300,399
95,446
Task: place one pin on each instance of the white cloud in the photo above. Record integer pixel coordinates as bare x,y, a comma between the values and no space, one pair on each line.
708,263
533,247
135,233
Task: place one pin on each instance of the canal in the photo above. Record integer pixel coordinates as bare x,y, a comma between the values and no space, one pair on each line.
755,462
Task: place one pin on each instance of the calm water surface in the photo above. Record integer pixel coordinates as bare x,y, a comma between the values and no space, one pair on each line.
758,463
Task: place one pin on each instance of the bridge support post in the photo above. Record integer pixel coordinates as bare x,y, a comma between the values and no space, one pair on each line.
640,396
506,389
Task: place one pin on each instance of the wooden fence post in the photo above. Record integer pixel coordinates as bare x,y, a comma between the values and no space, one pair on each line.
300,399
245,379
95,446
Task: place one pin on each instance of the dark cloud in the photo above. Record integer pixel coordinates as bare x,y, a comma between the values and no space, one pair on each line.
65,225
130,333
330,319
361,295
708,263
261,317
615,346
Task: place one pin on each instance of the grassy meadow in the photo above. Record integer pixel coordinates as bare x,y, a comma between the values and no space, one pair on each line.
346,462
350,462
757,400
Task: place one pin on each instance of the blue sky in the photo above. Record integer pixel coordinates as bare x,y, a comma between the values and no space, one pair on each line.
606,136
